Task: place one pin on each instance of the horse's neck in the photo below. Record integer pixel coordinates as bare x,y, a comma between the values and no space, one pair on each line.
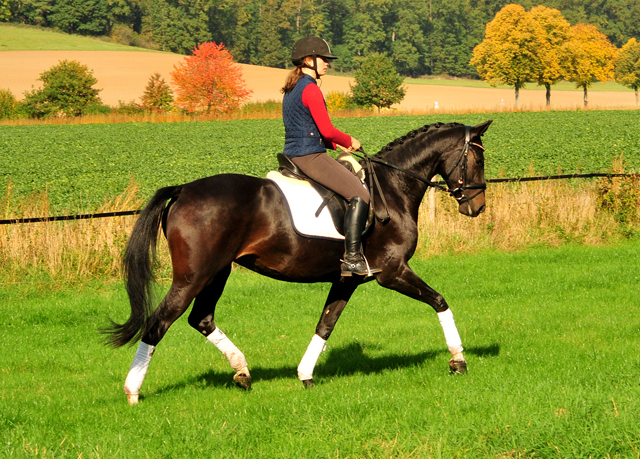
417,156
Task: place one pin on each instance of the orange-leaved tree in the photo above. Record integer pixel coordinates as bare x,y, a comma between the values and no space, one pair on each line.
510,52
590,57
557,32
209,81
628,66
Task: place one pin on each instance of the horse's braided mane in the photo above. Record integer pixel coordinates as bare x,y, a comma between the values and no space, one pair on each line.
414,133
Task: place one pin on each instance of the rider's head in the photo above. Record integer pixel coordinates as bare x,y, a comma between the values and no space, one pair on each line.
306,51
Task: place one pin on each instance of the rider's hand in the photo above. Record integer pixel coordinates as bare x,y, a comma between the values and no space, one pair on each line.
355,144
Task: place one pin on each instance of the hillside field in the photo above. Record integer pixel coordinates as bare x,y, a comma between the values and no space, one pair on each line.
122,73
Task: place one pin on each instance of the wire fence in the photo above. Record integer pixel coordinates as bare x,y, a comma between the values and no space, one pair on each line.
124,213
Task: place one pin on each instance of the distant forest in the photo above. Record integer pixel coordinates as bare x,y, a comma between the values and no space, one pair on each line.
423,37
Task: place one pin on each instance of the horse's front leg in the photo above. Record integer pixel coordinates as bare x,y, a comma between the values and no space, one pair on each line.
338,298
405,281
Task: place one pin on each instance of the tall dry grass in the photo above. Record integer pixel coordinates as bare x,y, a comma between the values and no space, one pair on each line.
527,214
518,215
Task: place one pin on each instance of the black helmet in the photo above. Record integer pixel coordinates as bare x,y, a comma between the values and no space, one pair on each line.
310,46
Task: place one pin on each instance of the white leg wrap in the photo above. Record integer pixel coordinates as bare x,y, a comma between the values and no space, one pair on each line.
451,335
138,369
231,352
308,362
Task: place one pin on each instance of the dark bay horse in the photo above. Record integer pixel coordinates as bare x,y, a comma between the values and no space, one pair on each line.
212,222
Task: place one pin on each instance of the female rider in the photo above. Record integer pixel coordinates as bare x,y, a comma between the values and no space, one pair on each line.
309,132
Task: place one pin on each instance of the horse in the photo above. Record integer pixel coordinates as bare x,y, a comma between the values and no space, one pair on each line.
213,222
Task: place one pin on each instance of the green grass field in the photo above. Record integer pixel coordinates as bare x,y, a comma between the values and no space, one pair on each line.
81,164
21,38
551,338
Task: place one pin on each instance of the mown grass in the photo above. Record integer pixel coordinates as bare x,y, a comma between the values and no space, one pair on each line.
551,337
24,38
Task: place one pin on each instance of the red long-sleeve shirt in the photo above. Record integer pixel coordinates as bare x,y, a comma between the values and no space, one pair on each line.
313,99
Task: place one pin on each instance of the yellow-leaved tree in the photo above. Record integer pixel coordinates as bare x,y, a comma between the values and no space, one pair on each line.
511,50
590,57
628,66
557,32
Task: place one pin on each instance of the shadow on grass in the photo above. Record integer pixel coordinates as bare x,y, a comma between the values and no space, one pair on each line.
341,361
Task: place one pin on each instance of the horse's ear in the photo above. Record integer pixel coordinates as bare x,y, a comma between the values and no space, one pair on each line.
480,129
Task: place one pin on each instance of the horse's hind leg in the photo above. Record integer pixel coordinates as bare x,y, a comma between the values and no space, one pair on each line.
339,295
202,319
173,305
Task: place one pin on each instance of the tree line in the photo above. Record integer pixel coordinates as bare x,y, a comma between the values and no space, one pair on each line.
422,37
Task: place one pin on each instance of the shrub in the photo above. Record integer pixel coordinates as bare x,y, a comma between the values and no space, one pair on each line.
337,100
8,105
67,91
129,108
157,94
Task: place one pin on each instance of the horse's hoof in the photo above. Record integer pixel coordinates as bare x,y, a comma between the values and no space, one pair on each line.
242,380
458,367
132,399
308,383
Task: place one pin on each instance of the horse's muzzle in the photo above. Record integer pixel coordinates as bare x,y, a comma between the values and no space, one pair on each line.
473,207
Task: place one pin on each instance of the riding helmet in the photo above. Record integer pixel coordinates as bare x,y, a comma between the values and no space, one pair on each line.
310,46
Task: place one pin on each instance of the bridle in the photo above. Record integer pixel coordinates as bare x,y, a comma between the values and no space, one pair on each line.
462,162
457,193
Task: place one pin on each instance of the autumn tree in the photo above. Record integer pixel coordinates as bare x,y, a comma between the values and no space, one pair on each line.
590,57
628,66
157,94
511,50
377,83
209,81
556,32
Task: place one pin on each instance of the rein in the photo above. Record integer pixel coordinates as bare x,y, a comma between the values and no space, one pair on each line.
462,162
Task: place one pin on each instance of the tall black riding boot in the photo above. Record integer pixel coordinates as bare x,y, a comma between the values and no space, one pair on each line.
354,221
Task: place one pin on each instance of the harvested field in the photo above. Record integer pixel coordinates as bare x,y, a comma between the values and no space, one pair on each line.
122,76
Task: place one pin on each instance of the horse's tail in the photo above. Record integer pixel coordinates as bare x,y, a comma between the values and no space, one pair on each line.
137,264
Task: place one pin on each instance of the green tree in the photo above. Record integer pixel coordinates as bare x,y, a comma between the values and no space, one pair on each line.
455,30
590,57
176,25
84,17
157,94
408,43
67,90
377,83
627,70
557,32
5,11
511,50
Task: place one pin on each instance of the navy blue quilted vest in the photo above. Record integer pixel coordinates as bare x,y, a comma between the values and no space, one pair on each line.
302,136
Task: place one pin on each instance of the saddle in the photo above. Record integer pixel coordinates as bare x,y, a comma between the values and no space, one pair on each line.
335,204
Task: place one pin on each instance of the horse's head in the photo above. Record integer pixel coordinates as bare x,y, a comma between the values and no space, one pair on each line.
462,167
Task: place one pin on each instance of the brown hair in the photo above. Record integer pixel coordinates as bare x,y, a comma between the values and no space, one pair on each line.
292,80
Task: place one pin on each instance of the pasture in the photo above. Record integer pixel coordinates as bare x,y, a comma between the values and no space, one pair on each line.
551,338
80,165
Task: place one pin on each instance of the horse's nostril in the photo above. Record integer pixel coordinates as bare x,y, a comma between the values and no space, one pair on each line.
482,209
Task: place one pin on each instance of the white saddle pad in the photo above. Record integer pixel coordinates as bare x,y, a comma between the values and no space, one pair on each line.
303,201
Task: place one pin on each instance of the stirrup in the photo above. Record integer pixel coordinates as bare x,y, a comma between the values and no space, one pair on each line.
358,267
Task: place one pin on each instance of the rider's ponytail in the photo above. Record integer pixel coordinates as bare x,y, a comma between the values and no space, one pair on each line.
292,80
